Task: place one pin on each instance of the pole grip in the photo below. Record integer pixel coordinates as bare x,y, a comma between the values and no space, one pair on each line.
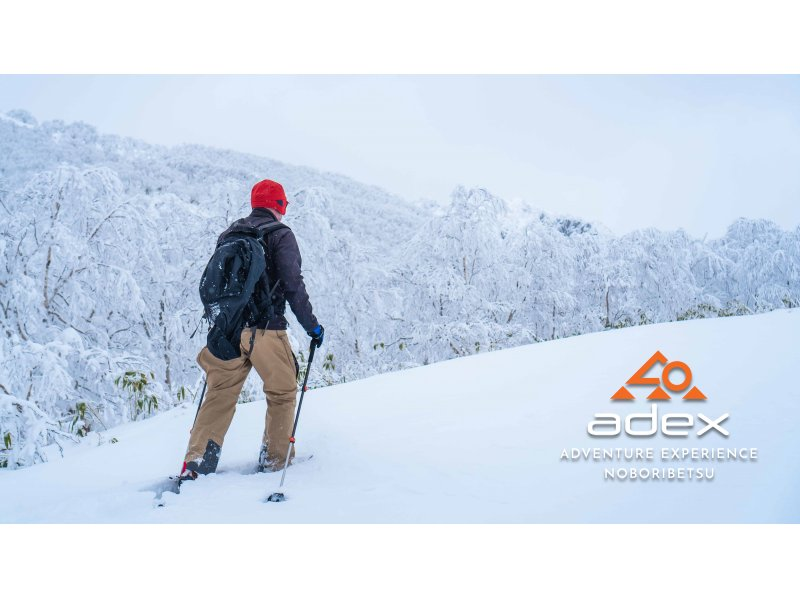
311,350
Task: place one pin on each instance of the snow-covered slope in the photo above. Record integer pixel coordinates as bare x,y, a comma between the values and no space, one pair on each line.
475,439
103,240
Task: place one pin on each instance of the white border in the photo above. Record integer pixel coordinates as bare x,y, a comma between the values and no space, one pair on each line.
399,560
414,36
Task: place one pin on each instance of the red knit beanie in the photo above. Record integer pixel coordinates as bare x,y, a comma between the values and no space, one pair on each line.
268,194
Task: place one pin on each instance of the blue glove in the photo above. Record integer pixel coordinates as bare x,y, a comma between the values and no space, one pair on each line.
317,334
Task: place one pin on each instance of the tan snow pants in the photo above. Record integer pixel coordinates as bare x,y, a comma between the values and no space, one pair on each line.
275,364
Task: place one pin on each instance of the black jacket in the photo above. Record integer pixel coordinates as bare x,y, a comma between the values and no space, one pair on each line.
283,266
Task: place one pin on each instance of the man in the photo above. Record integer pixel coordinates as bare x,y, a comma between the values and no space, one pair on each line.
264,345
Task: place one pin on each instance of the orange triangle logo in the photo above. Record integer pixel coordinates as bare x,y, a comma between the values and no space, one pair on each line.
623,394
639,376
658,394
694,393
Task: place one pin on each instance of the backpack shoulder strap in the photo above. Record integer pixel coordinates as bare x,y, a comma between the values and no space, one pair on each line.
264,232
271,227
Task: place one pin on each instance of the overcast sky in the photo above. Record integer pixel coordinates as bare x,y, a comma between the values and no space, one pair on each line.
630,152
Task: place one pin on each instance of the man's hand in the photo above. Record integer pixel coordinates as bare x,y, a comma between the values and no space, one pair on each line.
317,334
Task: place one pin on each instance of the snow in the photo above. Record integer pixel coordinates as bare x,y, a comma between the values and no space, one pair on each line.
474,439
103,241
19,118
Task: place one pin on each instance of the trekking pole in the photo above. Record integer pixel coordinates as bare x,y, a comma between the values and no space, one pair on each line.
202,394
278,496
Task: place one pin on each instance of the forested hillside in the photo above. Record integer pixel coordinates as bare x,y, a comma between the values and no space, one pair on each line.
104,239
